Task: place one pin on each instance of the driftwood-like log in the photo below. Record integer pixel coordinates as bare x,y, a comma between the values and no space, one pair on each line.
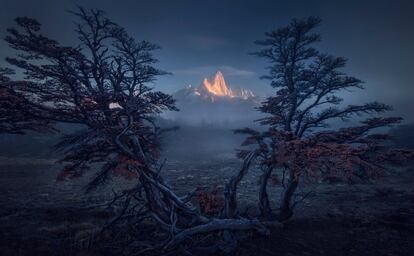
217,225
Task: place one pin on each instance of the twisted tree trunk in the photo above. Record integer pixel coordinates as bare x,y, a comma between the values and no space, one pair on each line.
264,204
286,207
230,193
172,212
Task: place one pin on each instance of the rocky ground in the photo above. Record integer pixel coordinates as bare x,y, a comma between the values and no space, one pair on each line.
39,216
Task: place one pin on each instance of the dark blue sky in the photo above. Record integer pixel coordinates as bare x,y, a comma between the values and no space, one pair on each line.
199,37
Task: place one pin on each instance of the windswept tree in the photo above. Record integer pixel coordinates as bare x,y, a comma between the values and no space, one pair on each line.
14,109
298,143
103,86
100,84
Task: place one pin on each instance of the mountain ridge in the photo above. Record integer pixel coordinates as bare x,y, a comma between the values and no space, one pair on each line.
213,101
214,89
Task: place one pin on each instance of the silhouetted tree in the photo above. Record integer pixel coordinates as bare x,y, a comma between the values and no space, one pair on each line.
296,144
102,86
16,113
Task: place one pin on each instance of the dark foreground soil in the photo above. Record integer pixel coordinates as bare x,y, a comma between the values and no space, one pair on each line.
41,217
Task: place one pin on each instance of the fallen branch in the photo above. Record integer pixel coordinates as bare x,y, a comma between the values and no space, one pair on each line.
217,225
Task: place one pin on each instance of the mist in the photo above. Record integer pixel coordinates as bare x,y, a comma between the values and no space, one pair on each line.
206,128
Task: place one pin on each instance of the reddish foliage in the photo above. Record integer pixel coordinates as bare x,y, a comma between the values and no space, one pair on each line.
347,154
211,202
125,160
88,104
79,85
274,180
68,172
126,167
123,171
397,156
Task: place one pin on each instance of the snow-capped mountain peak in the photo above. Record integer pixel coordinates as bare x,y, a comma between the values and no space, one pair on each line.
215,88
216,85
216,102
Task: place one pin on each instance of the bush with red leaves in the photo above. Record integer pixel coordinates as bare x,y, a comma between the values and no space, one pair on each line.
210,201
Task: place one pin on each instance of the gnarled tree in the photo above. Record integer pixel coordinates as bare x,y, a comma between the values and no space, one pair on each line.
297,144
102,86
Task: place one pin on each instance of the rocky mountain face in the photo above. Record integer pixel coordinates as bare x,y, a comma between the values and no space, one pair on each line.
214,89
214,102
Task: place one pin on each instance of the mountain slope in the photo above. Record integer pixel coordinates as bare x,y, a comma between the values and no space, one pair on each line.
214,102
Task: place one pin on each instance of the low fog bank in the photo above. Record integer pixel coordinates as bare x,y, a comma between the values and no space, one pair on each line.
221,112
32,148
190,142
201,143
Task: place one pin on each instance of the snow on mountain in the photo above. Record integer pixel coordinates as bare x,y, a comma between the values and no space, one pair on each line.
215,88
213,101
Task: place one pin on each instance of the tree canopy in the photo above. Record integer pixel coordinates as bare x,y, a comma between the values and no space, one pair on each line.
102,84
298,141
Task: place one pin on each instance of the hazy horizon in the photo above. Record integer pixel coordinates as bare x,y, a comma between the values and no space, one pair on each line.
199,38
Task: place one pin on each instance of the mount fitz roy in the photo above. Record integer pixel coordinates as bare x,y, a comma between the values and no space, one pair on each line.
214,89
214,102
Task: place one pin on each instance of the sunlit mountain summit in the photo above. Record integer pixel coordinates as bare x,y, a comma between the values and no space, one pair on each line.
214,101
215,88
